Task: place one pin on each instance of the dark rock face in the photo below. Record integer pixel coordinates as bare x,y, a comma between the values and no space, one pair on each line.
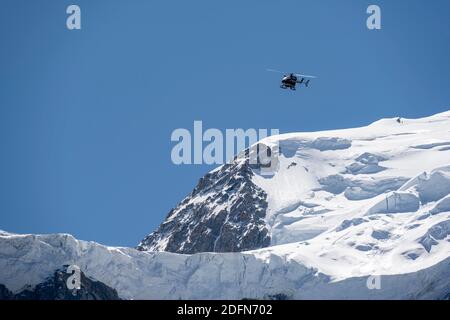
55,288
224,213
5,294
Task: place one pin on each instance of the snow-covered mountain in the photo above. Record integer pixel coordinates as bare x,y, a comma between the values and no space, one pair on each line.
339,207
321,180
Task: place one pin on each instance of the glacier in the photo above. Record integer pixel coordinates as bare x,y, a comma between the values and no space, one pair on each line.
342,207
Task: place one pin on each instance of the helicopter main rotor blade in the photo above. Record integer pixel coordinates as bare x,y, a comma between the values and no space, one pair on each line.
297,74
305,76
277,71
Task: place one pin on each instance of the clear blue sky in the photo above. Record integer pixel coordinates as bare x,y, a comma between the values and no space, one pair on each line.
86,116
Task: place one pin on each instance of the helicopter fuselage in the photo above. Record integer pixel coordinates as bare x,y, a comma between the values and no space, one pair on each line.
289,82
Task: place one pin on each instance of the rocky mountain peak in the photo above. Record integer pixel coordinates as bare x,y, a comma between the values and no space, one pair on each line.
224,213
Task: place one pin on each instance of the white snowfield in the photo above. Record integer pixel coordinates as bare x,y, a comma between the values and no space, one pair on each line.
344,207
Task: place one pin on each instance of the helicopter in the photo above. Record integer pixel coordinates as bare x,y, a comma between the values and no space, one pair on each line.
290,80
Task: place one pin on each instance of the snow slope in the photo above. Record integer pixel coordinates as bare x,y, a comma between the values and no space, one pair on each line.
28,260
340,206
372,200
326,177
